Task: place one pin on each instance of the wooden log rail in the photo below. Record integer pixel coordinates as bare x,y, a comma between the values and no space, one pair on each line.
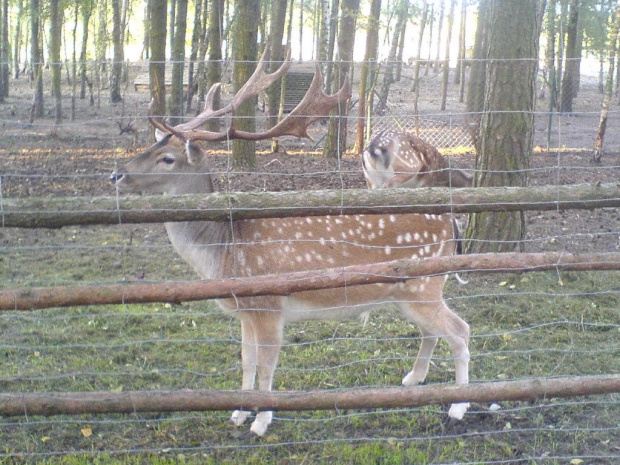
55,212
78,403
285,284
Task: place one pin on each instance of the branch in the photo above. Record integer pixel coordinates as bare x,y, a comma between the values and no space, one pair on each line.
78,403
56,212
285,284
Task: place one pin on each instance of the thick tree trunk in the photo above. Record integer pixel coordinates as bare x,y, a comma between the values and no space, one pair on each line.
336,140
507,123
178,64
157,64
477,75
245,48
367,74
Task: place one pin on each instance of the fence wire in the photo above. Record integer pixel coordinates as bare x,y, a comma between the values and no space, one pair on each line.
523,326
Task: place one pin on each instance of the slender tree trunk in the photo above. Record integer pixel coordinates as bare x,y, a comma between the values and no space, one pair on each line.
442,9
301,30
17,37
446,63
146,42
178,63
429,63
245,48
117,61
370,62
388,75
336,141
331,44
214,64
568,84
55,35
36,58
276,55
613,47
172,22
418,56
506,137
87,9
197,37
6,49
157,63
460,65
401,47
550,59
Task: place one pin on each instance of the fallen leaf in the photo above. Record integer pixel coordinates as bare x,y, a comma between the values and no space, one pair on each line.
87,431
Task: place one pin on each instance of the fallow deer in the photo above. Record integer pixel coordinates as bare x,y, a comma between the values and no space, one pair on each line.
176,164
401,159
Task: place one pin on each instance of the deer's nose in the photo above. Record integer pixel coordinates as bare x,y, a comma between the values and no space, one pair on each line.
115,177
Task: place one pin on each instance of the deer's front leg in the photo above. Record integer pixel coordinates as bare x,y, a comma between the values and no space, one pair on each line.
268,330
248,367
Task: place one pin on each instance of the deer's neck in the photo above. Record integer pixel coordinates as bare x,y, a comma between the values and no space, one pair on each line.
200,243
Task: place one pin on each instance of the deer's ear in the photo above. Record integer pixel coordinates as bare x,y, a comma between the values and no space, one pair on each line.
193,152
160,135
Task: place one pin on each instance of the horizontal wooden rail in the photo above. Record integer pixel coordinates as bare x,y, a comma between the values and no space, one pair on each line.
55,212
78,403
285,284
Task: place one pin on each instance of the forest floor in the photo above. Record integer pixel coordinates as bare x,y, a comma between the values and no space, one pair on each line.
523,326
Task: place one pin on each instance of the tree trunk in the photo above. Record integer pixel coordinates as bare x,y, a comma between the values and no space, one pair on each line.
388,75
418,55
171,23
442,9
507,123
301,30
460,66
6,49
331,45
36,58
477,74
214,64
446,63
613,46
550,59
55,35
368,65
175,111
146,42
276,55
87,9
245,48
197,38
157,64
336,140
17,38
568,84
401,46
117,61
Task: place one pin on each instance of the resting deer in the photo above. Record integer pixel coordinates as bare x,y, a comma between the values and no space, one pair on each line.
176,164
400,159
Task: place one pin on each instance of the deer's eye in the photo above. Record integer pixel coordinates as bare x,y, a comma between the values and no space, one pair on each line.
167,159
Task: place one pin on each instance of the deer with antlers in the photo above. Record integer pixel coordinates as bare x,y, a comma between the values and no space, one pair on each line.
401,159
176,164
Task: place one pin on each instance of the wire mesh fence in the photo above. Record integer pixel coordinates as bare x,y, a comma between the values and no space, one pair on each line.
542,325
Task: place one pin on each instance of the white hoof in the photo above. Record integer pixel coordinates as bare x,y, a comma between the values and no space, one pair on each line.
457,411
261,423
412,380
239,417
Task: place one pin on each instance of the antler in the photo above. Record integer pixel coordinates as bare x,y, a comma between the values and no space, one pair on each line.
314,106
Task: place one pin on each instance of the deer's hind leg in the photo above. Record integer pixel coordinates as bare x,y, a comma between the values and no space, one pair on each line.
248,367
436,320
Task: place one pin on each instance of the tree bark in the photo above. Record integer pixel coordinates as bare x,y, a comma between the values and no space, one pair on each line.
613,46
175,109
118,59
336,140
157,63
36,58
477,74
507,123
245,48
568,90
446,62
367,73
55,35
6,49
395,271
59,212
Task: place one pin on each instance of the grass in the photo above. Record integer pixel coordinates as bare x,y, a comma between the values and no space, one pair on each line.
523,326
